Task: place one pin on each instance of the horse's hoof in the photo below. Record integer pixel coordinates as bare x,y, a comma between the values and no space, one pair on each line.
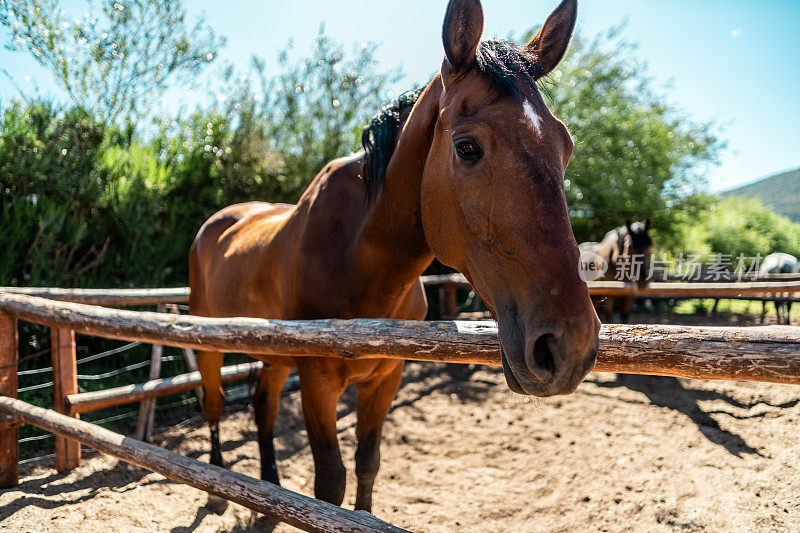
216,504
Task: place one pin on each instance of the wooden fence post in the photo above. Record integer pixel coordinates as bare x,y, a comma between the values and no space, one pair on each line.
450,301
191,363
65,382
9,441
147,408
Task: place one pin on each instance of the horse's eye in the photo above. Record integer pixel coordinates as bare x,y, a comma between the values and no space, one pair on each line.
469,150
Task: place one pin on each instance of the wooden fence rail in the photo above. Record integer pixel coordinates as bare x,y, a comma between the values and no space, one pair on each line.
281,504
770,353
659,289
786,284
86,402
778,289
107,297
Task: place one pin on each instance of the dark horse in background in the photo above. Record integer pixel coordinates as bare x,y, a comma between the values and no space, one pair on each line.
469,170
778,263
622,255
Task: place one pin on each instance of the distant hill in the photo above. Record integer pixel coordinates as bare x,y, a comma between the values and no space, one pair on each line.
781,192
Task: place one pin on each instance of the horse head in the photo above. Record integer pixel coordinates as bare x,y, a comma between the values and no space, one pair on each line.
493,203
638,247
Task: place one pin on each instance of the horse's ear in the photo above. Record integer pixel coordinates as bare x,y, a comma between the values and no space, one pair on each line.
461,33
550,44
628,224
648,224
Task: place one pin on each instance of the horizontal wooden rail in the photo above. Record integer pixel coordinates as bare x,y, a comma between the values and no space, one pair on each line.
696,289
107,297
281,504
770,354
457,280
661,289
731,277
780,283
86,402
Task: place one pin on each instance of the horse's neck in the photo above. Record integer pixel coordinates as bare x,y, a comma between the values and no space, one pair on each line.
392,242
612,245
623,242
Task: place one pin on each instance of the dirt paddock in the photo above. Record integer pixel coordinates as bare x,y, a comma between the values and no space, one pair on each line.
462,452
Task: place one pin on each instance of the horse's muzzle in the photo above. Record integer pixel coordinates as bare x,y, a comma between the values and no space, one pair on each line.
544,364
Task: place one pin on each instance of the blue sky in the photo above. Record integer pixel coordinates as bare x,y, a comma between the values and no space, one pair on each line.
736,62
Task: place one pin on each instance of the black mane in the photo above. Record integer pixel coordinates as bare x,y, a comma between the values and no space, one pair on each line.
378,141
507,67
501,61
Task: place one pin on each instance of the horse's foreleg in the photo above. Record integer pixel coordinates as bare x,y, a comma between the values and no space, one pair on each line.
608,309
209,365
320,389
374,399
625,309
266,402
783,312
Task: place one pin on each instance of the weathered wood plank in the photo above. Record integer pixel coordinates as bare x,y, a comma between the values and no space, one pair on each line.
709,289
764,353
107,297
9,440
449,301
281,504
761,289
86,402
770,353
65,382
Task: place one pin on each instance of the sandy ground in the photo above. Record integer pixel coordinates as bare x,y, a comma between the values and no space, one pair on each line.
462,452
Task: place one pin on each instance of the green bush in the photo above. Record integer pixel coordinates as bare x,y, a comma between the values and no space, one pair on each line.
746,226
736,226
51,185
83,205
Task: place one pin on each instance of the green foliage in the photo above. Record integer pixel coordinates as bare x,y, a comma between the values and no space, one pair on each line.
781,192
745,226
635,156
51,186
315,108
87,205
114,62
735,226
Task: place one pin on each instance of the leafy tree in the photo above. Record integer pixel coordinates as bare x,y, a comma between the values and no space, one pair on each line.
86,205
51,184
635,155
745,226
315,108
116,59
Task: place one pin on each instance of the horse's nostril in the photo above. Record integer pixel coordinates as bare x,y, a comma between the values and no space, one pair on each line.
540,361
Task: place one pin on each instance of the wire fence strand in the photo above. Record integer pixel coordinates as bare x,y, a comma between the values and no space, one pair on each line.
36,387
128,368
35,371
37,437
113,351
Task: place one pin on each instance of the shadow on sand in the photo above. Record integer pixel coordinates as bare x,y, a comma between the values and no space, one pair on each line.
670,393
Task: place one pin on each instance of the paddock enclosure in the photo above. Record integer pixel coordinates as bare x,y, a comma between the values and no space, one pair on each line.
769,354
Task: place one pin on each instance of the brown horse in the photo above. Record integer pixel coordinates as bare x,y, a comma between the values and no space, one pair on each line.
622,255
470,170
